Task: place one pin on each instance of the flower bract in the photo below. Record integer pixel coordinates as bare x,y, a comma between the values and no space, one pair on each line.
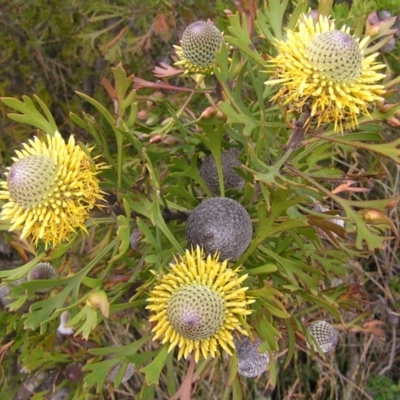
196,305
49,190
323,68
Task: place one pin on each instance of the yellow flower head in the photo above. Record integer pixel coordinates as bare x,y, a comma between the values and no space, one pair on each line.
49,190
200,41
325,68
196,305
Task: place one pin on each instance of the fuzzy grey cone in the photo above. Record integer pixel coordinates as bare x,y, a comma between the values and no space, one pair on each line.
232,180
42,271
324,334
200,41
251,362
220,224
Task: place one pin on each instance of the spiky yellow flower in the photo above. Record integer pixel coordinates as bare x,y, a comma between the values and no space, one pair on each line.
200,41
196,305
324,68
49,190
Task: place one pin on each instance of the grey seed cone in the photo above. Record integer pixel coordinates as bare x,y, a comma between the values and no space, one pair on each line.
200,41
42,271
251,362
324,334
232,180
220,224
74,373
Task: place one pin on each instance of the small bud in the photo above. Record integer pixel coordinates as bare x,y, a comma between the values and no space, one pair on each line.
393,122
375,217
142,115
99,300
63,329
386,107
208,113
151,120
73,372
372,25
170,140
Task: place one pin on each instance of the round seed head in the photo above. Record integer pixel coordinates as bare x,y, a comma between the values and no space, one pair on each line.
74,373
220,224
31,180
324,334
42,271
232,180
336,55
252,363
130,369
196,312
200,41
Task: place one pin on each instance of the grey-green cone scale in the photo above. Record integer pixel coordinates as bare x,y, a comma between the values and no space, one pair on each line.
220,224
324,334
232,180
251,363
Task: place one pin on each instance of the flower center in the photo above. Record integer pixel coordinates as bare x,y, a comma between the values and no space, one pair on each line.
196,312
200,42
31,180
336,56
